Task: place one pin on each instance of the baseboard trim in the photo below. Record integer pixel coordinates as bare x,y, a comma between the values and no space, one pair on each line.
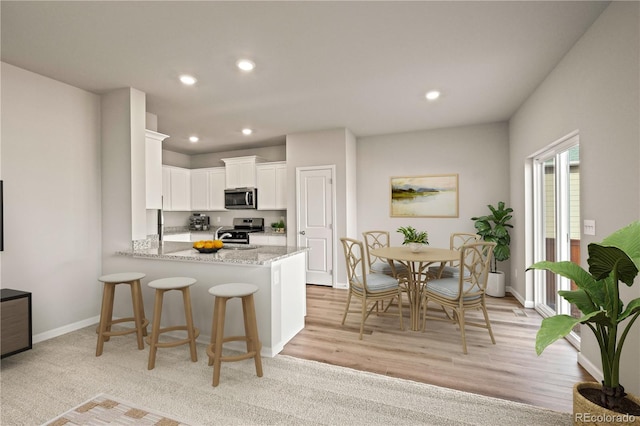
41,337
525,303
590,367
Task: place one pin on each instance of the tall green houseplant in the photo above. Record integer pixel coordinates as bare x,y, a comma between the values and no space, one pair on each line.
493,228
616,259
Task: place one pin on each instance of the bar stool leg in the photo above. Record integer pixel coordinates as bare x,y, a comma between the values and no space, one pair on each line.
220,308
137,318
140,305
155,329
186,296
251,331
105,316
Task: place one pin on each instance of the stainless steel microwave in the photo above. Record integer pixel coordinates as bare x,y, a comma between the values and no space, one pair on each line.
241,198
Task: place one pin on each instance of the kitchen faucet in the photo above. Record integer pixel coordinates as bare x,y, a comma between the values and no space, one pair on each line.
226,234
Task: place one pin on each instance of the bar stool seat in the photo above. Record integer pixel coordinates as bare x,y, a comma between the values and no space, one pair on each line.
223,293
106,315
162,286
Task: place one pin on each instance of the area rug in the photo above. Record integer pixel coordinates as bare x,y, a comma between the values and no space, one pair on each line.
105,409
57,374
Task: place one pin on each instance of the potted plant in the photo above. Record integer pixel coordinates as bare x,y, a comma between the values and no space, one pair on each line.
616,259
278,227
414,239
494,228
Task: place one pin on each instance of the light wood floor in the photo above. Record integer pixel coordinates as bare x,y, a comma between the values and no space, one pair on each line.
508,370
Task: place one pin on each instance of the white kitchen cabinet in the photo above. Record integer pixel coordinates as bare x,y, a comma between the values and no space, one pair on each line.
271,179
176,188
207,189
216,178
153,168
199,189
241,171
267,239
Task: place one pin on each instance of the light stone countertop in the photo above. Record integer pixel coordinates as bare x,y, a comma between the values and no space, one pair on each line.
184,251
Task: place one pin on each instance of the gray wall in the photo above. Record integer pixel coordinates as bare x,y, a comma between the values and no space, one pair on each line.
594,89
52,209
478,154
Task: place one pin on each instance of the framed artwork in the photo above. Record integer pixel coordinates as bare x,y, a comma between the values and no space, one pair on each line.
424,196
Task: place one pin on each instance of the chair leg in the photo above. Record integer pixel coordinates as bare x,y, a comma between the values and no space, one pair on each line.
141,307
400,310
191,332
251,331
346,308
221,307
155,329
137,318
104,318
486,318
460,316
364,316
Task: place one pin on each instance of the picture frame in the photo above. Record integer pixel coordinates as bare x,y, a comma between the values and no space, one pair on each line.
424,196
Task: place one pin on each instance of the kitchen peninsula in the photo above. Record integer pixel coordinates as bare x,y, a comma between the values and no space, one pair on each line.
279,273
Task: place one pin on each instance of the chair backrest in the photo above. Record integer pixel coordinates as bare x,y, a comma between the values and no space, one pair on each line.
458,239
353,255
374,240
474,267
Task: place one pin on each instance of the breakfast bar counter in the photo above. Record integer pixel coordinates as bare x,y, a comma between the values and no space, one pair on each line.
278,272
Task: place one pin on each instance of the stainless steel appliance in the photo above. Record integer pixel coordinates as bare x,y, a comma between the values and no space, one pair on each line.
241,198
242,227
198,222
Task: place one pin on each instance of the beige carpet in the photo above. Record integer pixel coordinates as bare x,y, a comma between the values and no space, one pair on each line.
59,374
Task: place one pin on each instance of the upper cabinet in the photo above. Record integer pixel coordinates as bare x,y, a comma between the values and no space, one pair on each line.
241,171
153,168
207,188
176,188
271,181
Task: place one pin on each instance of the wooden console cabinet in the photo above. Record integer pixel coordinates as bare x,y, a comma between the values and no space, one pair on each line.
15,328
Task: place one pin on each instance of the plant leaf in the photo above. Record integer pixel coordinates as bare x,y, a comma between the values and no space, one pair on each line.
632,308
552,329
604,259
581,299
575,272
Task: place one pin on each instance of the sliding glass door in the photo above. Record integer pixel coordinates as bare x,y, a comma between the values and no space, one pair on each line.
557,223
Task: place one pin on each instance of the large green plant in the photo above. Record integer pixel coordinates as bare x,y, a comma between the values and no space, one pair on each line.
493,228
616,259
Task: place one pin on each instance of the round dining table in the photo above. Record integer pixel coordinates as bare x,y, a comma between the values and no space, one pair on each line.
417,264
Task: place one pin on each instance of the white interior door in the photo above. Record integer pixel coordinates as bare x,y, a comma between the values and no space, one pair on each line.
315,221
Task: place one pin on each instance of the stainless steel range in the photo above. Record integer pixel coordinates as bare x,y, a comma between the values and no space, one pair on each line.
242,227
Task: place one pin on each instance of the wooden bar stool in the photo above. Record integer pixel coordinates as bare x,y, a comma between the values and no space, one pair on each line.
106,315
162,286
222,294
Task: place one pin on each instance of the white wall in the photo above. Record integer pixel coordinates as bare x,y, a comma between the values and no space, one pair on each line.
51,171
478,154
594,89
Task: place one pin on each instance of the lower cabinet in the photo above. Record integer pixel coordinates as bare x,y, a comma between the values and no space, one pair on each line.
15,313
267,239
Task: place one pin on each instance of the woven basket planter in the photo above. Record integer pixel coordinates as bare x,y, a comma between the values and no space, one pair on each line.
586,412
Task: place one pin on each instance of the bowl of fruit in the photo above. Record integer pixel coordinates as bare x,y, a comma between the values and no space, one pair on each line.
208,246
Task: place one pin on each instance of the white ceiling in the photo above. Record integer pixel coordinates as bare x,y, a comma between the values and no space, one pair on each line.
320,65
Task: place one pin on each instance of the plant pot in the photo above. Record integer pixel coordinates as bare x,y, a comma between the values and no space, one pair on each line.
495,284
416,247
586,412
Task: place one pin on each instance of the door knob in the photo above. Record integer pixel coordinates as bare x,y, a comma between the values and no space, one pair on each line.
302,233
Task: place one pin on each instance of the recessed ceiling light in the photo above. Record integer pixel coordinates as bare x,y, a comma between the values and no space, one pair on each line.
188,80
247,131
193,139
432,95
246,65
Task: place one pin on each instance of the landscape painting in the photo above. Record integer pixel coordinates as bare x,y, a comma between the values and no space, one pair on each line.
424,196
